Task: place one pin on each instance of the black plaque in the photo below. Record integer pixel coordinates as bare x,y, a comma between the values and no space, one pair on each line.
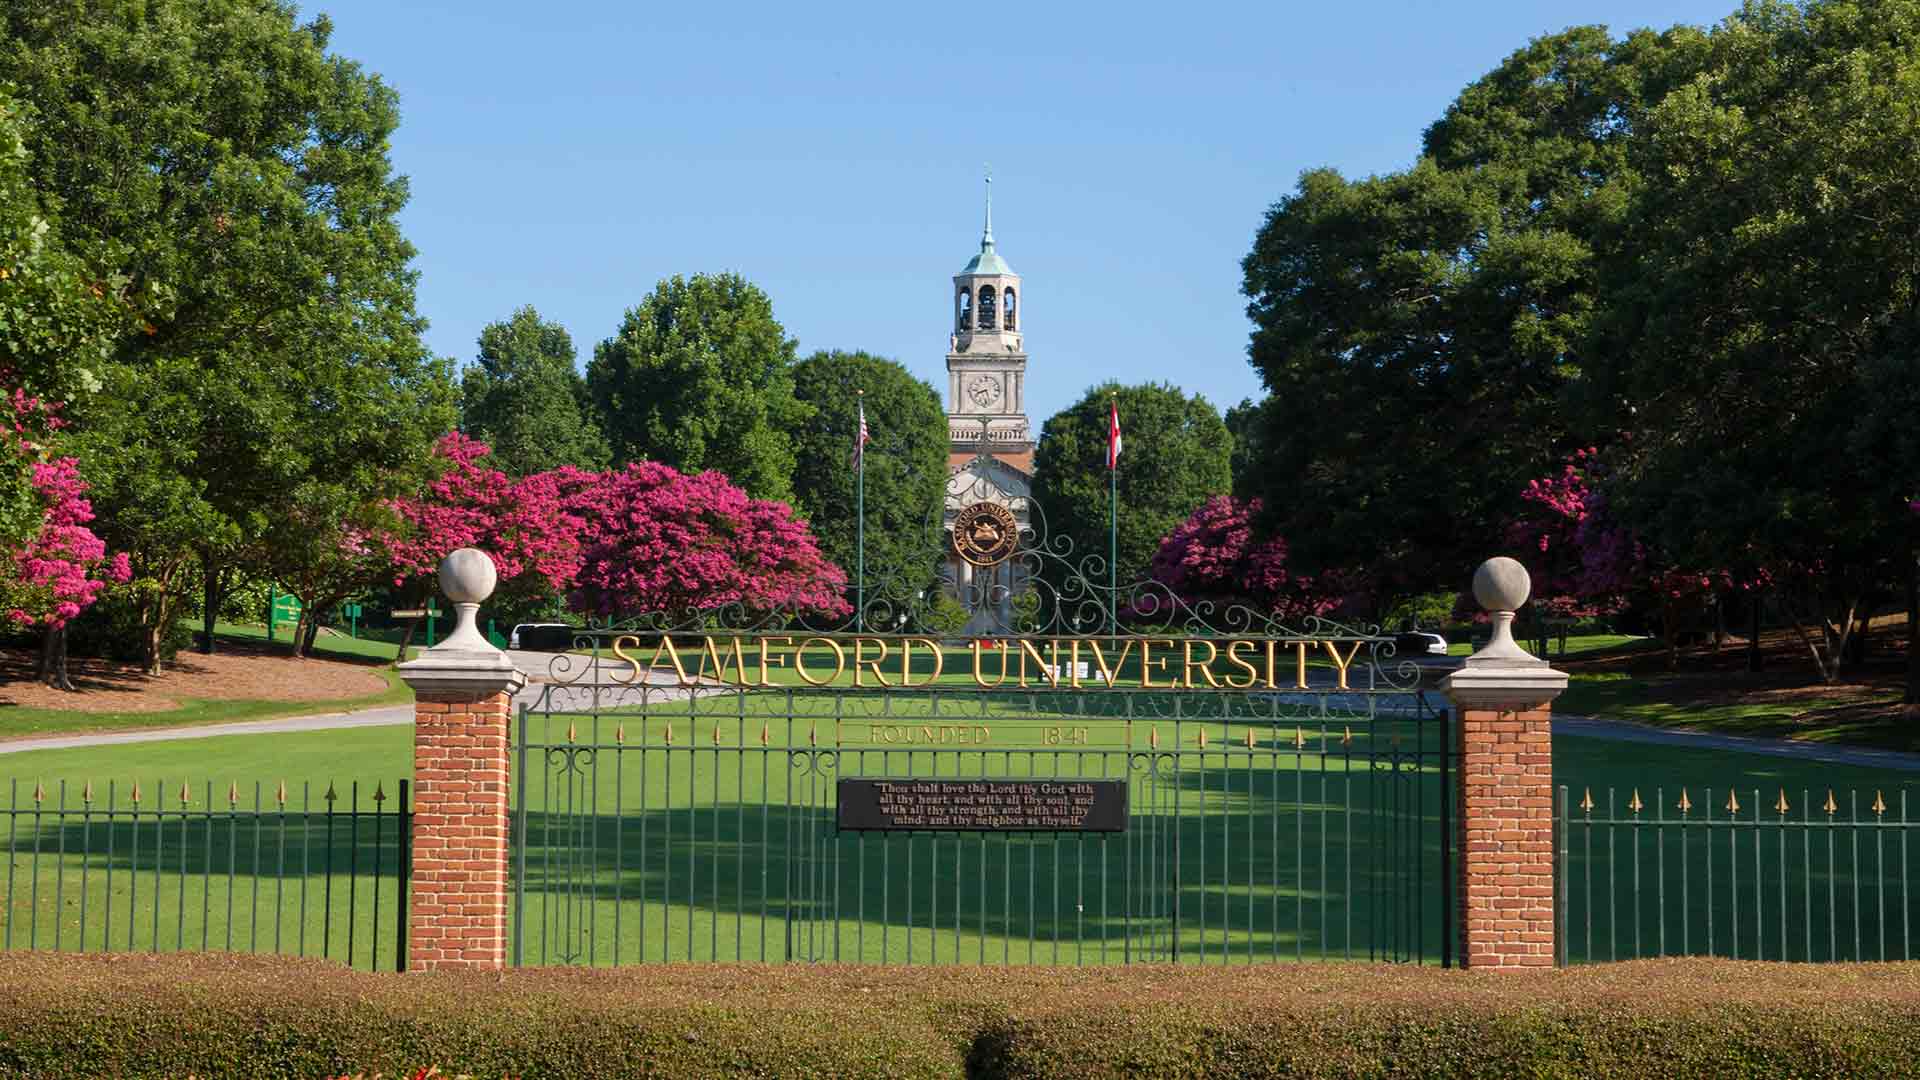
1037,805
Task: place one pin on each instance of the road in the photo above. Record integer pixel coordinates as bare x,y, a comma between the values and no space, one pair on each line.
610,680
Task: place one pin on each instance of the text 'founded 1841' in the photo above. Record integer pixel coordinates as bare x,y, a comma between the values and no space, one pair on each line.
1035,805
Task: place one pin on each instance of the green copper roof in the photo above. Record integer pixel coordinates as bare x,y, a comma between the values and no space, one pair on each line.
987,262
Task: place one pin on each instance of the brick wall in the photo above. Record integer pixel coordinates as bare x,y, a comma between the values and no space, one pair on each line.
458,917
1506,819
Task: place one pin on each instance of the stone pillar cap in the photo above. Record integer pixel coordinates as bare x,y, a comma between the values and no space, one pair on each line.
465,663
1503,673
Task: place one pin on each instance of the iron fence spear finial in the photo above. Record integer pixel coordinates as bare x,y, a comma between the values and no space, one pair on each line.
1733,802
1879,804
1685,804
1634,804
1780,805
1586,802
1830,807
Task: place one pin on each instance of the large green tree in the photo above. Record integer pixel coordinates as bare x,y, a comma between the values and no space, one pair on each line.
1764,314
700,376
906,467
60,312
234,173
1176,453
1421,332
524,397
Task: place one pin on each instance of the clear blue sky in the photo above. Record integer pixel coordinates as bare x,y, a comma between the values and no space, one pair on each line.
569,155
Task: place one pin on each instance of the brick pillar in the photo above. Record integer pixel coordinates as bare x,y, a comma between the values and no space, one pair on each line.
1502,697
463,704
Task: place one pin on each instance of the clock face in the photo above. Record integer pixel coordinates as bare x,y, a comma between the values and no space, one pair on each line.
984,390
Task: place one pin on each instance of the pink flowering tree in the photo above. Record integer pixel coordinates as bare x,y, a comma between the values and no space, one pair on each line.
657,542
62,568
1584,562
528,525
1215,558
1581,563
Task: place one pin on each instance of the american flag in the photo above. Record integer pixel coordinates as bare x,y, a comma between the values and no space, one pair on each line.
861,440
1113,435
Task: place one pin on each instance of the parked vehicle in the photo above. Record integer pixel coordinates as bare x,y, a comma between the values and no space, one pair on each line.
1410,644
542,637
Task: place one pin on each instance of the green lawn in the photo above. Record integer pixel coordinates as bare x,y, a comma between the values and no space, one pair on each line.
645,844
16,721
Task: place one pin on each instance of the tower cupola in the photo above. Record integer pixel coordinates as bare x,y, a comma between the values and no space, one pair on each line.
986,361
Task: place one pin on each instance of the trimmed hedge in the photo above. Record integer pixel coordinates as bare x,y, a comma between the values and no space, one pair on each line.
210,1016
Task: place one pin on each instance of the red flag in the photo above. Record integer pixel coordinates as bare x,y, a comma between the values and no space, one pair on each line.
1113,436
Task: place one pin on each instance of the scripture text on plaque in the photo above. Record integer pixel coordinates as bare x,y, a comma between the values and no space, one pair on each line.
1027,805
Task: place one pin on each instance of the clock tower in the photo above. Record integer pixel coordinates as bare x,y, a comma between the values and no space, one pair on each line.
986,360
990,453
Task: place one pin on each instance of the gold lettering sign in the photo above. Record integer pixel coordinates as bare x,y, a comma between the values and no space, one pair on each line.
871,662
985,533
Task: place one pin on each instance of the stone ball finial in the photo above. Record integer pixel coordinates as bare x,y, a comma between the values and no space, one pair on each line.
467,576
1502,584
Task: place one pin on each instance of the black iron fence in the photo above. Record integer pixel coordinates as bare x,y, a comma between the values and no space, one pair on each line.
174,866
1810,875
692,827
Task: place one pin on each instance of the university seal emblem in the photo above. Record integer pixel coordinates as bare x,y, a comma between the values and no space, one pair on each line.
985,533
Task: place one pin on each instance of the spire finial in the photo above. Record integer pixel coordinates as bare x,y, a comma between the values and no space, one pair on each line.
986,236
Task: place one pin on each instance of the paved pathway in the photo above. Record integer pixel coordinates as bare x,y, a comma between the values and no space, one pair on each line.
1583,726
537,664
1625,731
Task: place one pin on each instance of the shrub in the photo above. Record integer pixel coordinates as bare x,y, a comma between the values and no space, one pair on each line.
142,1015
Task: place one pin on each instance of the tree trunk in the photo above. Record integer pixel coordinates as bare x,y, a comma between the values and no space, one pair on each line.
405,640
210,600
1670,632
53,659
1912,696
1857,646
1834,637
313,632
1753,634
151,635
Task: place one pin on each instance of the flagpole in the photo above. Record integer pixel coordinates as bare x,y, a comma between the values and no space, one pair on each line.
1113,525
860,526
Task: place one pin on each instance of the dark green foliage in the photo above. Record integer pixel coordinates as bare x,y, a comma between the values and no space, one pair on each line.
1176,454
700,376
1765,325
906,467
1421,332
233,173
523,397
171,1016
111,629
1247,423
